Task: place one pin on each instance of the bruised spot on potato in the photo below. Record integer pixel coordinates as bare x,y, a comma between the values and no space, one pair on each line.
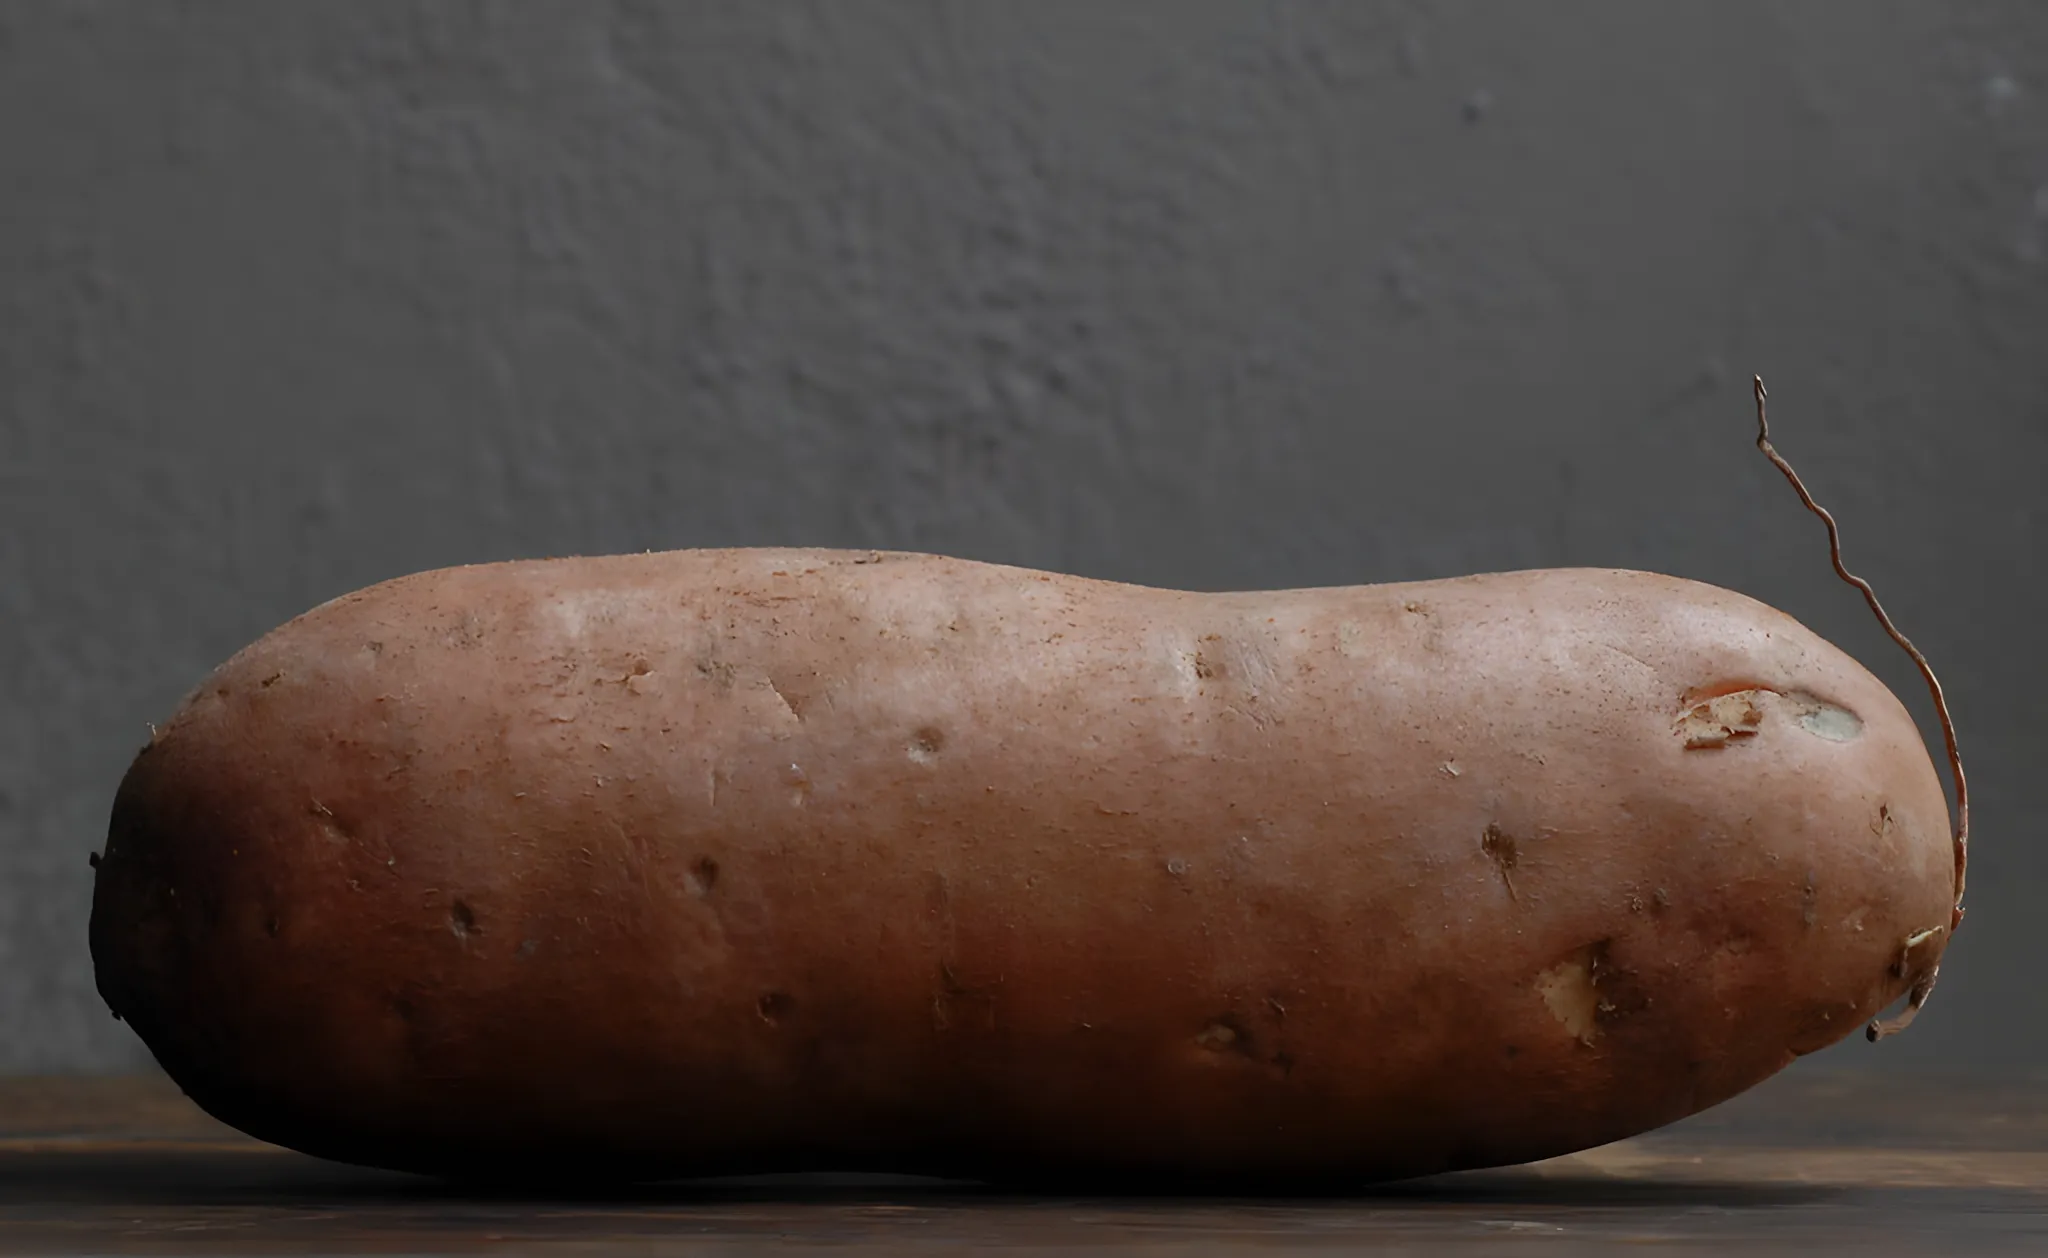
1715,722
703,876
461,920
1217,1036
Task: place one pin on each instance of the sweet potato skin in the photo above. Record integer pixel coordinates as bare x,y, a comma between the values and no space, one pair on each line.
726,861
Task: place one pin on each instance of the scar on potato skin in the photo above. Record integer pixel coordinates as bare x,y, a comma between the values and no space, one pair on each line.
1713,722
702,877
954,993
1227,1038
783,699
1220,1035
1499,847
926,744
1578,991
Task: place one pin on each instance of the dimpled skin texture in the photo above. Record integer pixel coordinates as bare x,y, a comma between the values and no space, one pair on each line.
727,861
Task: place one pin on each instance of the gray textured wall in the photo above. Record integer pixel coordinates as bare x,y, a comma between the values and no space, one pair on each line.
296,297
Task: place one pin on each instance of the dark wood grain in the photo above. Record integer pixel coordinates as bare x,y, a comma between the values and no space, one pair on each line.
1809,1163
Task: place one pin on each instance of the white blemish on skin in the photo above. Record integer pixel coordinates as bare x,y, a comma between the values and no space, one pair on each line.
1351,640
924,745
1628,655
1179,653
1825,720
1568,992
799,786
1216,1037
573,613
1251,664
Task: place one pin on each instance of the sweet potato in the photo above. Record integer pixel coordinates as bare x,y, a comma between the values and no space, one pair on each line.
728,861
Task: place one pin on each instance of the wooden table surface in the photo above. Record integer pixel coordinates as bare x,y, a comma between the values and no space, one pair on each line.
1811,1163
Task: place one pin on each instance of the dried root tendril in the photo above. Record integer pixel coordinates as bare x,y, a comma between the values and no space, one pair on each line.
1922,974
1923,983
1923,987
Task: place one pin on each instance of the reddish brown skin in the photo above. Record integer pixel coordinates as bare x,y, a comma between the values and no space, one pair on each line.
728,861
